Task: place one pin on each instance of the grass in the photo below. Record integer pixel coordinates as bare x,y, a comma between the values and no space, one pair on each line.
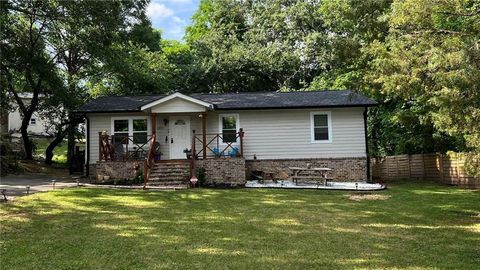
59,153
409,226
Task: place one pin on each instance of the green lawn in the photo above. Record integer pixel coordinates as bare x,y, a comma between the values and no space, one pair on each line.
409,226
59,153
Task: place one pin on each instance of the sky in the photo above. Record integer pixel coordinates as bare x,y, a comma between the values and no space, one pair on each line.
171,16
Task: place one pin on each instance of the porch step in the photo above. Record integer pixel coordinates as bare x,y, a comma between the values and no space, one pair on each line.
170,174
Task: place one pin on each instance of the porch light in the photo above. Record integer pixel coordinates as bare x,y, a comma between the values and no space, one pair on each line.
165,121
194,180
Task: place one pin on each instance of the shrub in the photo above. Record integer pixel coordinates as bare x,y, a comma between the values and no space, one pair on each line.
201,176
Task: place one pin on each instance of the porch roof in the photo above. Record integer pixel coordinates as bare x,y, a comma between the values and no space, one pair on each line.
239,101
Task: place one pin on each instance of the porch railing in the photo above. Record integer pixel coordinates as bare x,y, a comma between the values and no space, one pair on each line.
215,145
124,147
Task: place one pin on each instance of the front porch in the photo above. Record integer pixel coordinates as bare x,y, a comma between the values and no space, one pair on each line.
176,128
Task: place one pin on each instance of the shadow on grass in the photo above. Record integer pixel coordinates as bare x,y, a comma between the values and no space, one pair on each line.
420,226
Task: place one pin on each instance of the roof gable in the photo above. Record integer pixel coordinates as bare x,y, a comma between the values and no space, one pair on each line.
176,96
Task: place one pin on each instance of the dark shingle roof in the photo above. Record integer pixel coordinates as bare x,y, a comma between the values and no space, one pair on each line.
118,103
299,99
245,100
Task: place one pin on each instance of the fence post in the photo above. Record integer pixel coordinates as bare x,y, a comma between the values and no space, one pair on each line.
194,150
241,142
423,166
441,168
457,168
409,167
397,173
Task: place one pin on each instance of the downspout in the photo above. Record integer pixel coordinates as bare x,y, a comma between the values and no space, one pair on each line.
366,142
87,148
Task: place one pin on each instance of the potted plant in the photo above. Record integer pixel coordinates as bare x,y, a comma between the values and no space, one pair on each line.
188,152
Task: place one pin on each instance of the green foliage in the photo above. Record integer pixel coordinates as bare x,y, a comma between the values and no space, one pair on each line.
272,45
418,58
201,176
429,66
138,179
472,164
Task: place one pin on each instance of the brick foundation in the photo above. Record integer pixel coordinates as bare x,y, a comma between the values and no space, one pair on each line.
344,169
114,169
229,171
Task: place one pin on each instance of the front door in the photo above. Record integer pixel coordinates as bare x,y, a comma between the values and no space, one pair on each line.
179,136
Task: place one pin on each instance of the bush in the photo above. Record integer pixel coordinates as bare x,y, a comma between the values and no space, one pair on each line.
201,176
138,179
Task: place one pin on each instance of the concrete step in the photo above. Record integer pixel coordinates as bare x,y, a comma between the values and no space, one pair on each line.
171,171
168,178
168,183
166,173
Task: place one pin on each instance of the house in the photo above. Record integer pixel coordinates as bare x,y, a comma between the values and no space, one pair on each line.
37,124
229,134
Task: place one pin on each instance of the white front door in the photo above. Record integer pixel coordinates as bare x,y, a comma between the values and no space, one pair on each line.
179,136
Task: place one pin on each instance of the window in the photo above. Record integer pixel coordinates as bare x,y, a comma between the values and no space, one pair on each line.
120,130
140,133
321,127
229,126
33,121
136,127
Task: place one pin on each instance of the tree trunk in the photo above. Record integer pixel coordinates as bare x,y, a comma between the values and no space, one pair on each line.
49,151
3,122
27,142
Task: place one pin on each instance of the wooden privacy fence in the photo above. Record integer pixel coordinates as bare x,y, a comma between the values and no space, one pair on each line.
448,169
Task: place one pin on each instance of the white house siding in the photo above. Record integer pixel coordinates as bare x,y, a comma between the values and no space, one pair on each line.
103,122
286,134
15,122
269,134
163,132
177,105
98,123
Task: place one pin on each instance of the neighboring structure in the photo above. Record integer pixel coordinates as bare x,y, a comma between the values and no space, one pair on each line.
230,135
37,124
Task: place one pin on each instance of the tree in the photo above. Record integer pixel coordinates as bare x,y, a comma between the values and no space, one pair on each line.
430,64
278,44
66,39
26,64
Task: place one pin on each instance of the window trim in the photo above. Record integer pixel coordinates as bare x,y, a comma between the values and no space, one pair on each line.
312,126
130,124
220,125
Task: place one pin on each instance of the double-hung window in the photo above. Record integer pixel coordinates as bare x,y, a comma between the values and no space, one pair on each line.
321,127
140,131
229,126
134,127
